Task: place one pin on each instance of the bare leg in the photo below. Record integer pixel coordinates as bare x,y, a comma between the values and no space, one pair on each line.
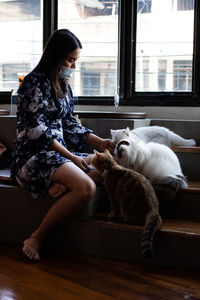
57,189
65,209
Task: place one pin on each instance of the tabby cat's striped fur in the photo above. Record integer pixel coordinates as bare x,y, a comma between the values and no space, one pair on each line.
132,197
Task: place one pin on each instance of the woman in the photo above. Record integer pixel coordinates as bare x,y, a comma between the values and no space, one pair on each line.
46,129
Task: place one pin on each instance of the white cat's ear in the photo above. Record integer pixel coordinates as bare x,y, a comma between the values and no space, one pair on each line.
127,131
112,132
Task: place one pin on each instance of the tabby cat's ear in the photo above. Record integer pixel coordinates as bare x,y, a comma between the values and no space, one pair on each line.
107,151
96,152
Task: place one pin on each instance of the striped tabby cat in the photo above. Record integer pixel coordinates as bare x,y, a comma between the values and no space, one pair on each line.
132,197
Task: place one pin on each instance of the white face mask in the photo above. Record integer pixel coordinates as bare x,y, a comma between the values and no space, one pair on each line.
65,73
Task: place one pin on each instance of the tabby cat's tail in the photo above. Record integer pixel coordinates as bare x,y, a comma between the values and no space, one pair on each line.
152,222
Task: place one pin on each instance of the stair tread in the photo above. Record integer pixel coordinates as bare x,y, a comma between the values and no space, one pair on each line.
186,149
5,174
185,228
111,115
194,186
4,112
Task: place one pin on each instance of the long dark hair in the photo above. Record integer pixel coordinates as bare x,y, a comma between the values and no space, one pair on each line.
60,43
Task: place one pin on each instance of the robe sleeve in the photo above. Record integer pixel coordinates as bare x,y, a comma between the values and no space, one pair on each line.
75,134
34,95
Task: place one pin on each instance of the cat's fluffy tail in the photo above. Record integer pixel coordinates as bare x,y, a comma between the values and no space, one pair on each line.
177,140
152,222
174,182
166,191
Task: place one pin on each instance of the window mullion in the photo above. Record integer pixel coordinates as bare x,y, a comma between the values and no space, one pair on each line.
50,18
127,48
196,56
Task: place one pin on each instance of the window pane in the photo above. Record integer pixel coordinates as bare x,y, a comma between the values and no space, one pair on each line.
20,39
96,25
165,37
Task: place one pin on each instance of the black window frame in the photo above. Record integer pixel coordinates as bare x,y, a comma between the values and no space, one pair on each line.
127,62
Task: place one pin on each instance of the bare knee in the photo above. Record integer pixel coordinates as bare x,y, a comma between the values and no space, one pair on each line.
87,189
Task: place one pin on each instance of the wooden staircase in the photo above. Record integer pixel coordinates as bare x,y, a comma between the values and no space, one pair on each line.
176,243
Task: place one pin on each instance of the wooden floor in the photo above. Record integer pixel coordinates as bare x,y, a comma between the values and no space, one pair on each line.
77,277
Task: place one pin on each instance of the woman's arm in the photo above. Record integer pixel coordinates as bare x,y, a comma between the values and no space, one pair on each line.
100,143
79,161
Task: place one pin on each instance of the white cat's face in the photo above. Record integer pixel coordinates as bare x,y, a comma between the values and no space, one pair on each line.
119,134
123,153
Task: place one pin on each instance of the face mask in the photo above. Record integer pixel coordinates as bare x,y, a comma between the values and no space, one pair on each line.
65,73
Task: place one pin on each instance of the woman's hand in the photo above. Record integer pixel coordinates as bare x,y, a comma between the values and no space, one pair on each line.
80,162
107,144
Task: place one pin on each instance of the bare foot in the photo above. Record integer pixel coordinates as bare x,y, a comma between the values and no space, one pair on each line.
56,190
96,176
31,248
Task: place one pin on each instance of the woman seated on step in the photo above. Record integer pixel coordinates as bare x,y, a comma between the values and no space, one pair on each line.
46,129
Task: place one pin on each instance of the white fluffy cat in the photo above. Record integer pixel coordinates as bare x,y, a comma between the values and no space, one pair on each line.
156,162
157,134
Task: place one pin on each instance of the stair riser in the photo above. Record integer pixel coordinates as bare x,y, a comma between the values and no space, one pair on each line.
20,214
168,250
189,164
186,206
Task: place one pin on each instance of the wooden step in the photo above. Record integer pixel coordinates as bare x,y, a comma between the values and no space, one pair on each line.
4,112
5,175
186,149
176,243
182,228
111,115
194,186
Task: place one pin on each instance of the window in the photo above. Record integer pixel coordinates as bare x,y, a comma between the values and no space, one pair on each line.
96,24
156,38
185,4
162,70
144,6
147,51
10,74
20,38
182,75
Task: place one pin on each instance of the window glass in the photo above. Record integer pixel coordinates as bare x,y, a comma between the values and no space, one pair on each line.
95,22
185,4
20,39
165,36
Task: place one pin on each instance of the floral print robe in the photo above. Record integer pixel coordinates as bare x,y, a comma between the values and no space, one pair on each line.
40,119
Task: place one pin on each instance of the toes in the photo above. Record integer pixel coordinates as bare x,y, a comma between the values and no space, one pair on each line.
28,252
31,250
36,257
31,254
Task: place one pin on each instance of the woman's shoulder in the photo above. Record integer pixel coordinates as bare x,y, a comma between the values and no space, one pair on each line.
34,79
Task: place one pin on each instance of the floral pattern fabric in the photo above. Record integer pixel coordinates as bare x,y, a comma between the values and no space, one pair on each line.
40,119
